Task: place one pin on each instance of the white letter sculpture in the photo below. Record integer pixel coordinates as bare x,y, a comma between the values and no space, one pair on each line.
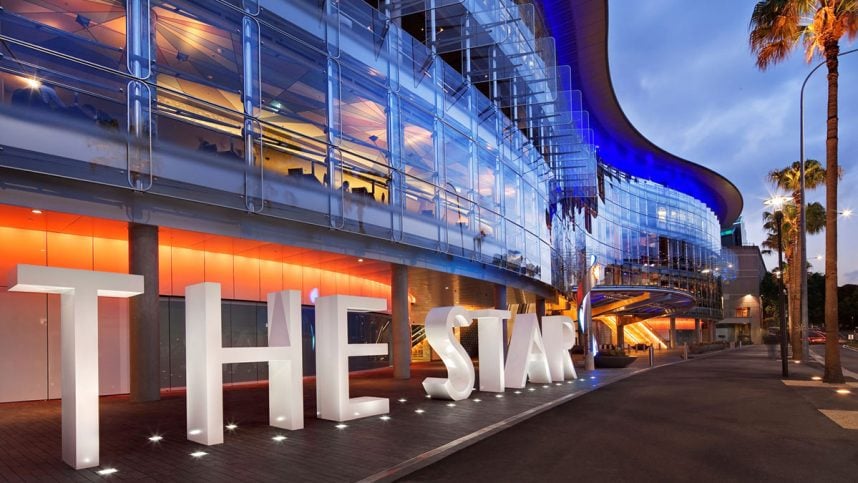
526,357
559,337
332,358
460,370
491,343
79,291
205,356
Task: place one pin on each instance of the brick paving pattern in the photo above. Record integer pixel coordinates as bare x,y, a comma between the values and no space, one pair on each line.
30,436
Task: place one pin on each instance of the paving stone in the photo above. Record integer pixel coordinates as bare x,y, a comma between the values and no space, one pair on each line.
30,435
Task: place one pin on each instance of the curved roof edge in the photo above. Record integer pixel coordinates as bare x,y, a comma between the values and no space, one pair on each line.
581,30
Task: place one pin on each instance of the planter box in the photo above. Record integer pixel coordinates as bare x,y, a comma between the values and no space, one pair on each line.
613,362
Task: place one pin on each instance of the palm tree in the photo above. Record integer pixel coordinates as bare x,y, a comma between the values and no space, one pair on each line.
777,26
790,236
788,179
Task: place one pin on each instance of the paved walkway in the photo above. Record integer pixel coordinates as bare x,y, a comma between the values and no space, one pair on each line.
728,417
30,443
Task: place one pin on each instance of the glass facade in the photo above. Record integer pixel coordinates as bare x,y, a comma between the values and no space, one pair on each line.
643,233
339,113
443,125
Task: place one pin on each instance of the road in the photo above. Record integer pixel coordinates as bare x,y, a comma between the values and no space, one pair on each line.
848,358
723,418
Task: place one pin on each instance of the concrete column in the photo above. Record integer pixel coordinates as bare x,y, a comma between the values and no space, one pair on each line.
400,324
540,307
501,304
698,336
672,332
621,335
143,320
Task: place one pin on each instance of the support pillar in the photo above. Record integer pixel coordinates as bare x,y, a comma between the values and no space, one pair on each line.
698,336
540,307
501,304
672,332
621,335
143,320
400,321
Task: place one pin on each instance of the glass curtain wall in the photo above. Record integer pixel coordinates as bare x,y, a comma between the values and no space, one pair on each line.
328,113
644,233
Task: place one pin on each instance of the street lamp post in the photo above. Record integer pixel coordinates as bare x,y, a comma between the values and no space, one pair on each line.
777,204
802,216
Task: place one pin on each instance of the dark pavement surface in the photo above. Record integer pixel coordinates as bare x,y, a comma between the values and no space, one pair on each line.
30,442
727,417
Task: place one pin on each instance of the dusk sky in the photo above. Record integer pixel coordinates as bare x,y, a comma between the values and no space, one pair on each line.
685,77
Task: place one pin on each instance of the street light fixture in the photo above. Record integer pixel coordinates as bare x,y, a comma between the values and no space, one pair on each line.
802,214
777,203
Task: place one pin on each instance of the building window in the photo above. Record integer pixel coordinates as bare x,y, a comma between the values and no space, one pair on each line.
743,312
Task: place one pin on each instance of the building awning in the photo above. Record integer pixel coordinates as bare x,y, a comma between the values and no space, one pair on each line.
641,301
735,321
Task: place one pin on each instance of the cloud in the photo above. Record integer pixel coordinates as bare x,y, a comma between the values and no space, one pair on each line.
686,79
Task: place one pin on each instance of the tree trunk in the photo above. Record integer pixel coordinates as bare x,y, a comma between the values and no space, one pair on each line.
794,293
801,273
833,371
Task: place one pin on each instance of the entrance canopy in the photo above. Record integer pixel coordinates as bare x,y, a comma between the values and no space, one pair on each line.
734,321
643,302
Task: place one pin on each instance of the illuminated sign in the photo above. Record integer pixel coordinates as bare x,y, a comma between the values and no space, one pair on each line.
529,356
79,291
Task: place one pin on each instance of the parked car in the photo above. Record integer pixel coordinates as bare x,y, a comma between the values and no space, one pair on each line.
815,337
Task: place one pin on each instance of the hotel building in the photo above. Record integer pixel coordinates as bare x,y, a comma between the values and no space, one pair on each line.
430,152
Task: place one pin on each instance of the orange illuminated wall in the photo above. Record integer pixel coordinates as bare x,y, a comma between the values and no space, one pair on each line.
245,269
249,278
663,323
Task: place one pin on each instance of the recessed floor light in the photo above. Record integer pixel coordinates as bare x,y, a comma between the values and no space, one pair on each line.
155,438
498,396
341,426
816,378
451,405
531,389
517,392
198,454
107,471
384,418
478,400
279,438
232,426
402,400
844,391
419,411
